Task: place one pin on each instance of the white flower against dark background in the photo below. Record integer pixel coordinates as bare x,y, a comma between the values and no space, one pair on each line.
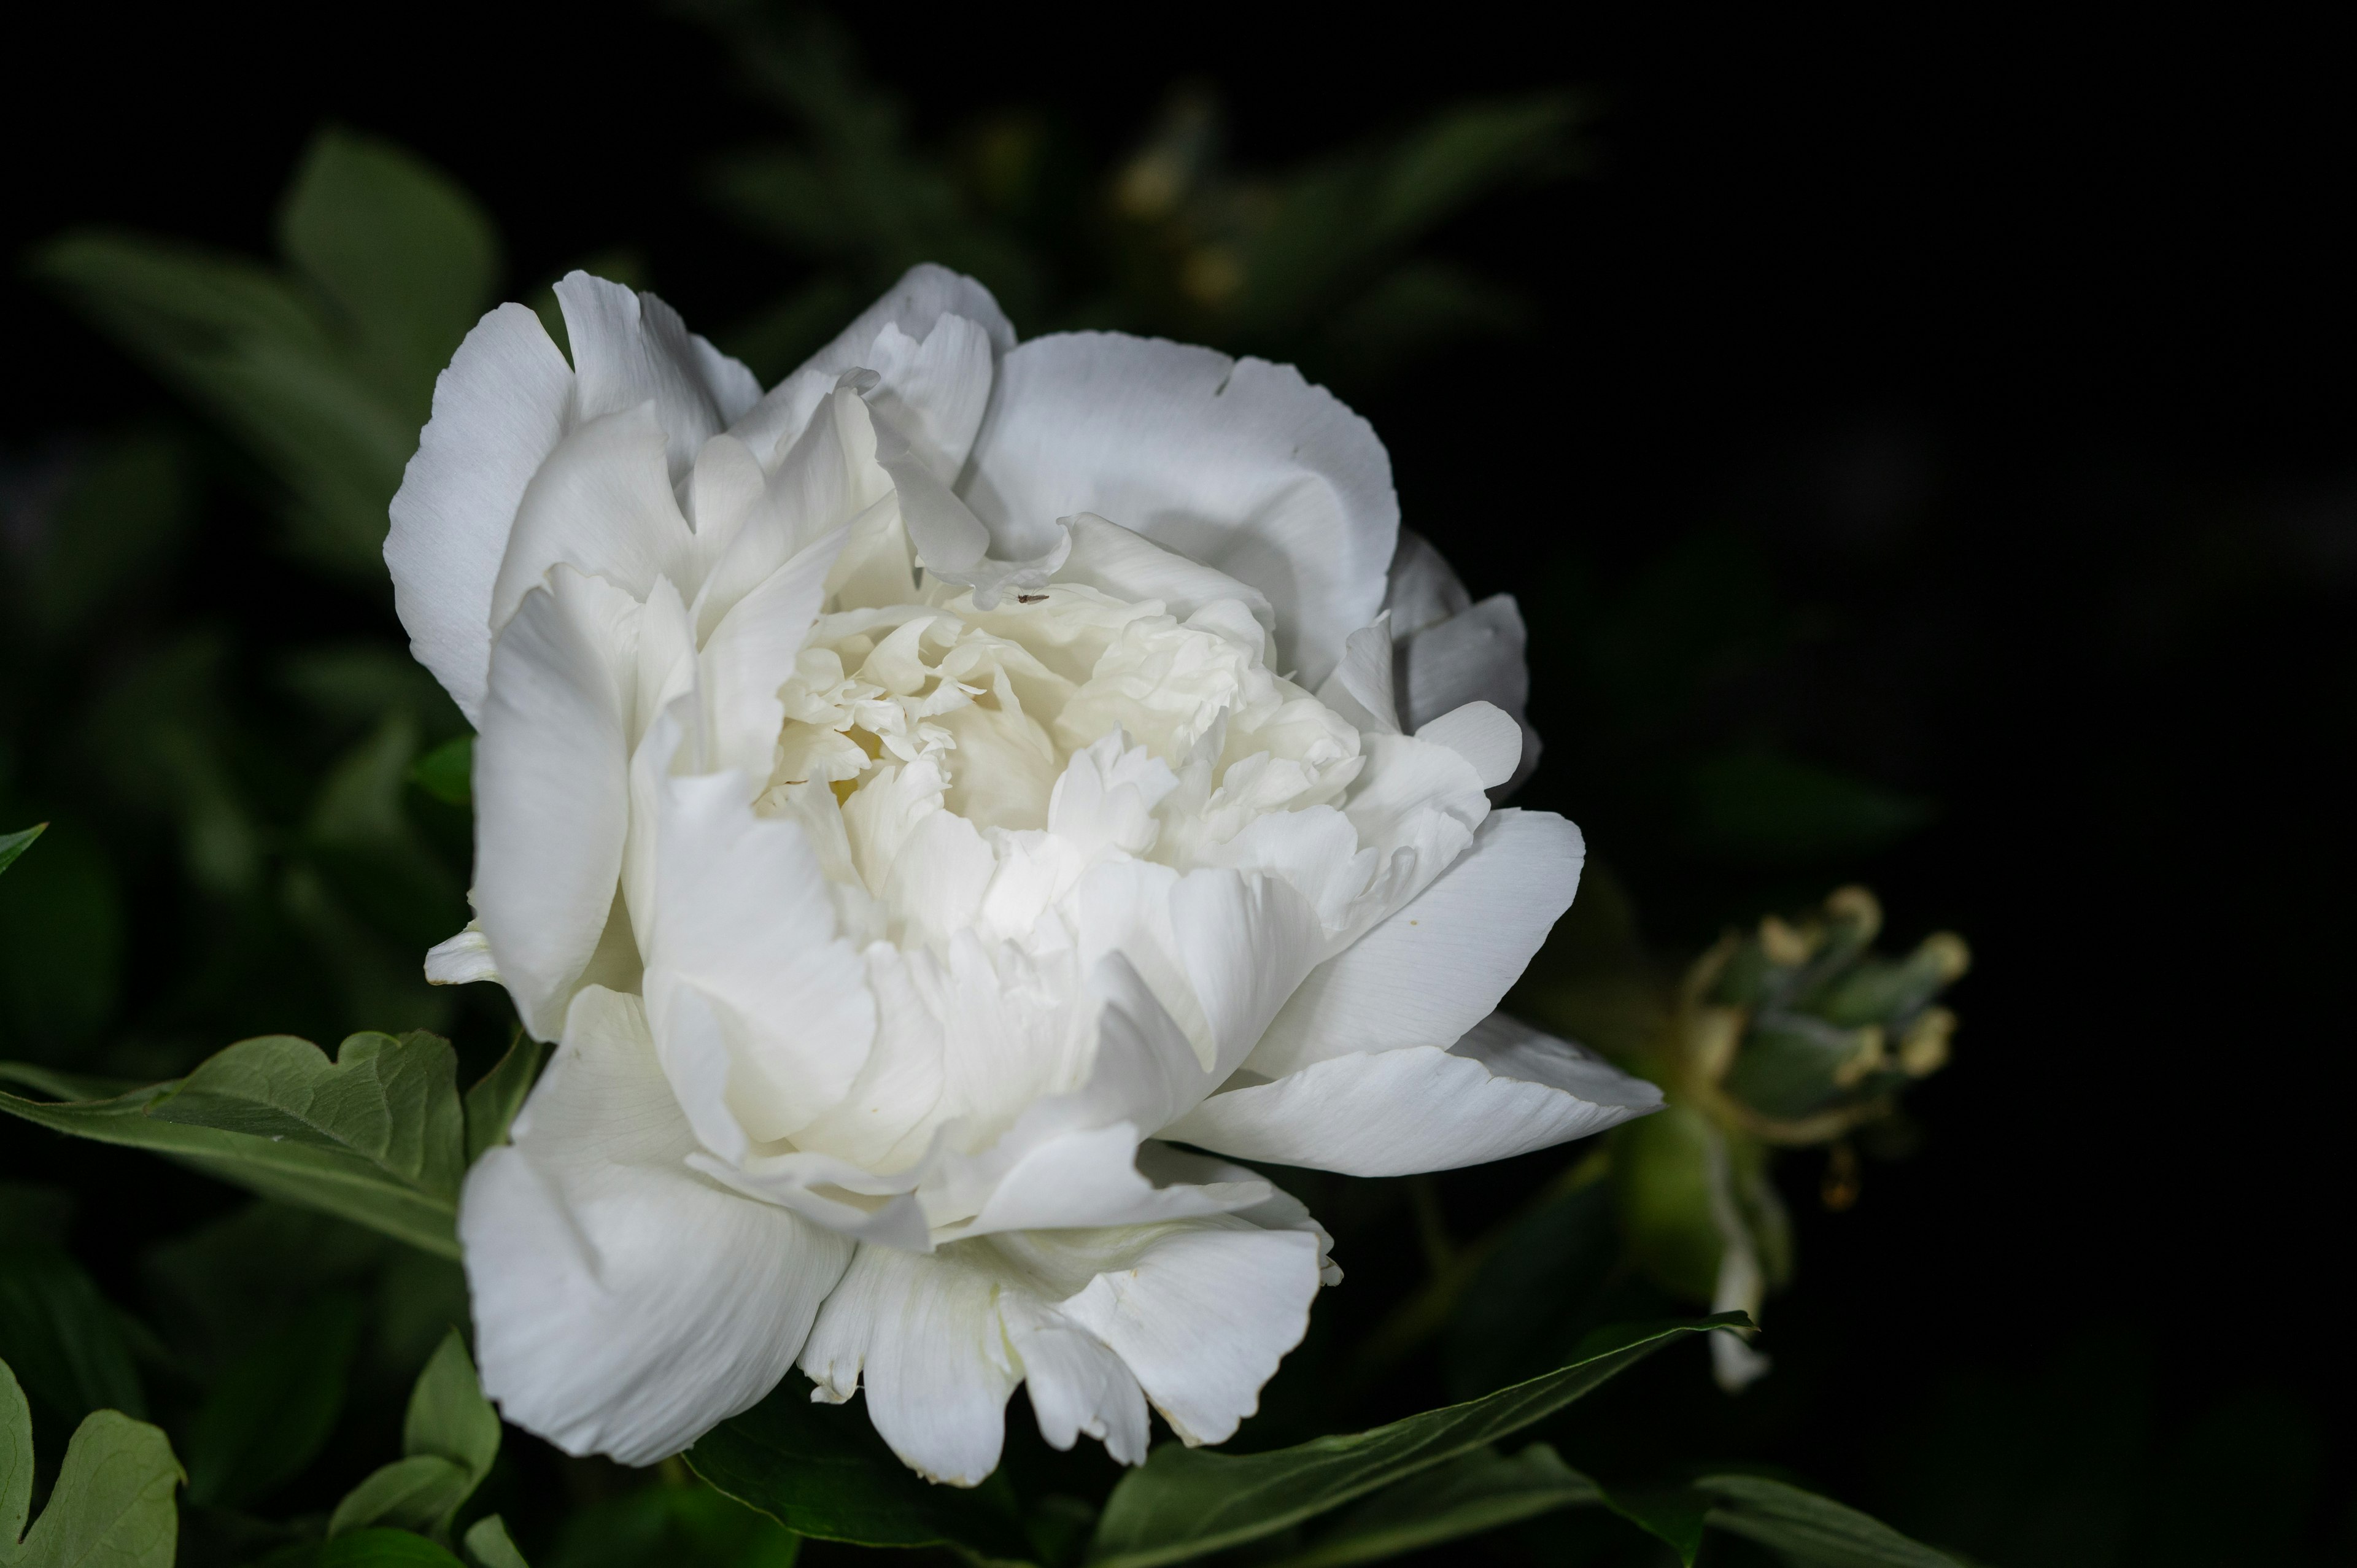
919,800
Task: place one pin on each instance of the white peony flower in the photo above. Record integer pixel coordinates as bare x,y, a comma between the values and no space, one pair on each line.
917,799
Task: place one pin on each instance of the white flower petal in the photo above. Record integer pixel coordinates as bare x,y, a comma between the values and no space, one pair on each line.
461,960
1240,465
631,349
1439,965
1360,689
913,307
751,653
622,1305
601,504
552,787
743,920
499,410
1129,566
924,1335
1504,1091
826,479
1194,1314
1483,733
924,295
1202,1315
1423,589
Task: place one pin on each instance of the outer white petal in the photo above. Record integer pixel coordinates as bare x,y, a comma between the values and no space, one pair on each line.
1423,590
632,348
1483,733
461,960
1193,1314
924,295
1502,1091
622,1305
602,503
925,1337
1450,651
1438,966
743,921
912,307
1241,464
499,410
552,787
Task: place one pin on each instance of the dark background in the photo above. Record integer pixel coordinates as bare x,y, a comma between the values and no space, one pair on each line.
2012,364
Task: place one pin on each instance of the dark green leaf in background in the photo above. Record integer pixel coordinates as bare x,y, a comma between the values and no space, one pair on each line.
448,1416
392,1102
404,257
1184,1502
16,1461
61,939
1480,1491
1674,1516
111,1506
678,1526
492,1103
324,372
447,772
16,843
449,1438
418,1493
312,1172
268,1414
62,1336
120,510
370,1548
487,1545
1808,1530
821,1470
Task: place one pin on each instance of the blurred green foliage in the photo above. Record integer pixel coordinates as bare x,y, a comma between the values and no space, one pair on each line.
1321,265
258,823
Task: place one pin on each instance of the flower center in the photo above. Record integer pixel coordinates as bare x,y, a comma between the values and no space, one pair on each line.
903,712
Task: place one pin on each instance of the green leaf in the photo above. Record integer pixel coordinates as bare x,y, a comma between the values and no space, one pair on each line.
16,843
1661,1184
392,1102
268,1415
685,1526
1478,1491
15,1462
361,834
116,523
1674,1516
402,254
487,1545
63,1338
820,1470
377,1549
1184,1502
306,1174
448,772
448,1416
62,940
254,354
1809,1531
112,1504
492,1105
450,1436
418,1493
